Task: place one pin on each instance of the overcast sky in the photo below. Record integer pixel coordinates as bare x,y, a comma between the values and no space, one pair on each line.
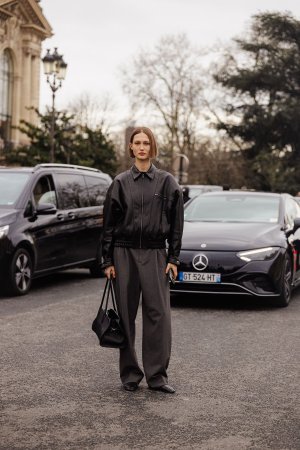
97,36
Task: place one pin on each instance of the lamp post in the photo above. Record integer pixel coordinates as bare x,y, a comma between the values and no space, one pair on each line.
180,167
55,69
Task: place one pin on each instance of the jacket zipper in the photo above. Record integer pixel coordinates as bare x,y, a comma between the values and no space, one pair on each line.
142,211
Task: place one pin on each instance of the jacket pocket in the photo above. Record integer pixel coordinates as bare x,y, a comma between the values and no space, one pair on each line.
160,201
157,194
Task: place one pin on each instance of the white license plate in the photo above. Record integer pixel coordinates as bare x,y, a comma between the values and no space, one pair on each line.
193,277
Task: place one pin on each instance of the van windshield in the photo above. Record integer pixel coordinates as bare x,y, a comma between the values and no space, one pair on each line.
11,186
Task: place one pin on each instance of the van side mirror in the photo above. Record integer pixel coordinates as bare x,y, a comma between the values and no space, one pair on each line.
46,208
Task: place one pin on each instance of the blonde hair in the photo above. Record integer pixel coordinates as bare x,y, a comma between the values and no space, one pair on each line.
148,132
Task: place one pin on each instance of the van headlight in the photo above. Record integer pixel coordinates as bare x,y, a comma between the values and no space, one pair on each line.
4,231
259,254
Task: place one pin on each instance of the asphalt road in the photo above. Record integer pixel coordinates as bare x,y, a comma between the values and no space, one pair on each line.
235,364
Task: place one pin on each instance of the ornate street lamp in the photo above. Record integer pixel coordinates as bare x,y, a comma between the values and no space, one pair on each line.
55,69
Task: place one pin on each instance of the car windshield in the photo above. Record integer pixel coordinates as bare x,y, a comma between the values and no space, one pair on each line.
197,190
233,208
193,192
11,186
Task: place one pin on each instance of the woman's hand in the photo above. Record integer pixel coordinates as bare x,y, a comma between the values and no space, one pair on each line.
110,272
173,267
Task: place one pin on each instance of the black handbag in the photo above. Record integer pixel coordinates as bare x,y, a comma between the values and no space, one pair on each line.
107,324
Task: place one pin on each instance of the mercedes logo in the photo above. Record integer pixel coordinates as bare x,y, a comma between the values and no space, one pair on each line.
200,261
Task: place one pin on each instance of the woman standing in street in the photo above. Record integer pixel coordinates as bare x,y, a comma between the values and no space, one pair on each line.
143,209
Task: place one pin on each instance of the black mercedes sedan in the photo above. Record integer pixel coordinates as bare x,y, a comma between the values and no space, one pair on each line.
238,242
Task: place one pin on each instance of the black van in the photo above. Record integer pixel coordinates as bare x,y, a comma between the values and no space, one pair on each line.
51,218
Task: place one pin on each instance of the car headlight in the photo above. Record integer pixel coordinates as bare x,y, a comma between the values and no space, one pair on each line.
4,231
259,254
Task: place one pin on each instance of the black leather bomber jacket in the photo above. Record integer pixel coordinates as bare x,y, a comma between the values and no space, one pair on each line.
143,210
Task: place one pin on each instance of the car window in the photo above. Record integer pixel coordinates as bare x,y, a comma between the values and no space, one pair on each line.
72,191
97,188
11,187
44,191
233,208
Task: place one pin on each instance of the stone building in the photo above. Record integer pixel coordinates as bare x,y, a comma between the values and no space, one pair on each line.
23,27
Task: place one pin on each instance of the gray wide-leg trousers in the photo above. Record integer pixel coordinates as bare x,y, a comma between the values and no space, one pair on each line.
143,271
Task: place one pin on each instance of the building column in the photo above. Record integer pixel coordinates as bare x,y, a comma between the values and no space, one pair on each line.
26,86
35,86
16,107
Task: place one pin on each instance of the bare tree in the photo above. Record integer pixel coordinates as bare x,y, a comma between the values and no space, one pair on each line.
218,163
166,83
93,112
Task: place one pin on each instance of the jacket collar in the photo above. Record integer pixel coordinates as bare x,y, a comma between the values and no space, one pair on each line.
150,173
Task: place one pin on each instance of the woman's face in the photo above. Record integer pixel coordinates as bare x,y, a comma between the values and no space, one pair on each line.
141,147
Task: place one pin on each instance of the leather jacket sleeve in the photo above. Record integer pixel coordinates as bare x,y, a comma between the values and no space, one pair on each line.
177,220
109,220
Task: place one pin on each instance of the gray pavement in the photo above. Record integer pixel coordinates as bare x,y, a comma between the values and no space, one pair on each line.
235,364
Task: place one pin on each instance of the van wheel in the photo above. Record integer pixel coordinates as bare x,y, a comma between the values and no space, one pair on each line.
286,284
20,273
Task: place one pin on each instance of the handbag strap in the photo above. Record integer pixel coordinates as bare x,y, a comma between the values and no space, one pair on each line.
108,290
105,296
113,296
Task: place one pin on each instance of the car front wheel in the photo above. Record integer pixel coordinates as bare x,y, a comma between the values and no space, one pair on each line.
286,283
19,273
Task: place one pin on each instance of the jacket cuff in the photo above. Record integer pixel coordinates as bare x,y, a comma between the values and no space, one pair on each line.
173,260
107,263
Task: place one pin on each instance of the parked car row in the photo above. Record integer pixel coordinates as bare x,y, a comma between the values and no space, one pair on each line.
51,218
234,242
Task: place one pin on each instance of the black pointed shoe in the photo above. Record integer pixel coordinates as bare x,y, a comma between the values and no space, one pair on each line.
130,386
166,388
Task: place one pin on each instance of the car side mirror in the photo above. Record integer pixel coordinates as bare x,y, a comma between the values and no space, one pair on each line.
46,208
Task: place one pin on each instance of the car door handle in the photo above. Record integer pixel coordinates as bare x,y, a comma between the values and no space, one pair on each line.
60,216
71,215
